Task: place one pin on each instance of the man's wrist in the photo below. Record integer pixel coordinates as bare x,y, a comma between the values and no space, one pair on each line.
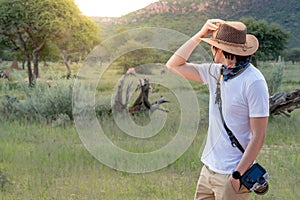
197,37
236,175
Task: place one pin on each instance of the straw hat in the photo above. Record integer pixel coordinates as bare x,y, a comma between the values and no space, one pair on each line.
232,37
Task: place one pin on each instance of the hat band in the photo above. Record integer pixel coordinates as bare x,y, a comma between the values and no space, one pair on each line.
243,46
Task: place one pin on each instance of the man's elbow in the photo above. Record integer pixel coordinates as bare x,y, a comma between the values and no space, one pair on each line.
169,64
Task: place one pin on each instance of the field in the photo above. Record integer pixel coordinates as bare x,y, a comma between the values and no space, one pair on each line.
46,161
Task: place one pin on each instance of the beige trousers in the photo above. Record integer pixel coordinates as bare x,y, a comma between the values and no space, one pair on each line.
215,186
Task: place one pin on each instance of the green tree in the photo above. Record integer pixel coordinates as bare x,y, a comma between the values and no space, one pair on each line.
272,38
134,48
4,46
29,24
50,52
78,41
292,55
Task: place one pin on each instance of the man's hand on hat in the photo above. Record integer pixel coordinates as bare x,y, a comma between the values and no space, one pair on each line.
208,28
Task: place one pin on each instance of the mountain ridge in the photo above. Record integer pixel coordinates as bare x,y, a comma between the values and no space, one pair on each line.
188,16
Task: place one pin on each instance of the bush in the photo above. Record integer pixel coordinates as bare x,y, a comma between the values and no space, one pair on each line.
51,103
44,102
273,73
103,110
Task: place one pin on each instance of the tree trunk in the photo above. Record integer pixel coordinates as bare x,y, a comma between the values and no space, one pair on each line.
23,63
66,62
27,56
36,56
29,71
68,69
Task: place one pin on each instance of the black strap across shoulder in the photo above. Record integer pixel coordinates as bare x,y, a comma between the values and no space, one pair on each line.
234,141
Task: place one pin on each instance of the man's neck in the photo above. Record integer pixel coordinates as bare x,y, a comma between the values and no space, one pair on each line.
228,62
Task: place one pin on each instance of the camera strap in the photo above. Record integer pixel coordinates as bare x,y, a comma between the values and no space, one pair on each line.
234,141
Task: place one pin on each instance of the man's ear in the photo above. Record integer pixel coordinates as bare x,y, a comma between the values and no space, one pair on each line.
220,51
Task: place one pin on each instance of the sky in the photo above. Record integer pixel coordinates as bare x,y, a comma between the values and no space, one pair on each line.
110,8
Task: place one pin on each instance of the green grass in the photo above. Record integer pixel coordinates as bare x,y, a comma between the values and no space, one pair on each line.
51,163
47,162
44,162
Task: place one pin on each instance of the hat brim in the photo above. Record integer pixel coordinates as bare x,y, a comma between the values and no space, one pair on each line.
248,49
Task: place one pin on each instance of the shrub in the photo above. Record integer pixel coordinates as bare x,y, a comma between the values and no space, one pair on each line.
273,73
51,103
103,110
44,102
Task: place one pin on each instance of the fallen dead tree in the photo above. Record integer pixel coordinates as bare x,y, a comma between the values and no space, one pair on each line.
284,103
142,103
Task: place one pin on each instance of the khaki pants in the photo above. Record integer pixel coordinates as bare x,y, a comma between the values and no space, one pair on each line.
212,185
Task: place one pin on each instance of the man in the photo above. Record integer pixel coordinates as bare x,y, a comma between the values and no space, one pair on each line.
245,105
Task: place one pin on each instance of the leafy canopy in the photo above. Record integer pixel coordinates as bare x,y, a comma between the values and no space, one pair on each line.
272,38
29,24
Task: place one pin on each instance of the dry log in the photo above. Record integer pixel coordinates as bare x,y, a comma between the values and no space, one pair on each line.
284,103
119,106
142,103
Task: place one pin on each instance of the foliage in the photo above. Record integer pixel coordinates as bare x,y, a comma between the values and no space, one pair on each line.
292,55
42,103
138,57
28,26
78,41
272,38
46,102
103,110
273,73
50,52
133,50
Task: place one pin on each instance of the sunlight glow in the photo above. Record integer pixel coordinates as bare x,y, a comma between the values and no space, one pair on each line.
111,8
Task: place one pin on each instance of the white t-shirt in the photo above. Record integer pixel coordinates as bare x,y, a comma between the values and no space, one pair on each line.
243,96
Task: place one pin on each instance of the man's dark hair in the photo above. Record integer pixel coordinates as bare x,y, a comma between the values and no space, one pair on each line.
231,56
237,57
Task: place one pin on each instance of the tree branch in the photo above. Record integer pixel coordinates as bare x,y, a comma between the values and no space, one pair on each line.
284,103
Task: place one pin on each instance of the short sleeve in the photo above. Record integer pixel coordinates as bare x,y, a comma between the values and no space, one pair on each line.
208,71
258,99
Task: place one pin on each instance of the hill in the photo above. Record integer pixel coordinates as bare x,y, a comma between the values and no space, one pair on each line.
187,16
